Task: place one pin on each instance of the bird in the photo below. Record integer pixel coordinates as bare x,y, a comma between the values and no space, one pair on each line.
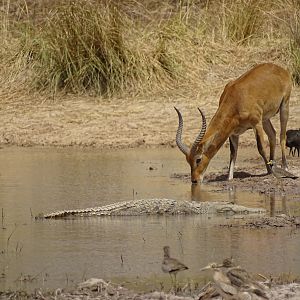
222,282
234,282
171,265
241,279
279,172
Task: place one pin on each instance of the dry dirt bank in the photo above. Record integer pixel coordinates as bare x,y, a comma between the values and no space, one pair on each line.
117,123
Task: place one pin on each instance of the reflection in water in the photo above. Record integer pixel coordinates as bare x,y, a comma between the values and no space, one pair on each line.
272,204
59,252
282,204
232,195
201,193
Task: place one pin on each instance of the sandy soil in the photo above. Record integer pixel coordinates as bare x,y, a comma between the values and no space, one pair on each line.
118,123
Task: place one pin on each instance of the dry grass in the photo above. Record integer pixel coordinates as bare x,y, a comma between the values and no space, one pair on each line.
295,43
129,47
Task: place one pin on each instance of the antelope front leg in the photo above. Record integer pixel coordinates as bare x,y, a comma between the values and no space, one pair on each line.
259,135
234,142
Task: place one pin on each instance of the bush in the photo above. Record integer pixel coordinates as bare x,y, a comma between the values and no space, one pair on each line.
87,47
82,47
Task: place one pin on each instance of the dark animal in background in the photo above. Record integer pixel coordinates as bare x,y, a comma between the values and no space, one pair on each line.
293,141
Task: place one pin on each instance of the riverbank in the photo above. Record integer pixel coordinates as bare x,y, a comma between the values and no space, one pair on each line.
143,121
99,289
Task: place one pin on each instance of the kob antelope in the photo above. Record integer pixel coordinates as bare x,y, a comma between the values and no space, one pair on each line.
247,102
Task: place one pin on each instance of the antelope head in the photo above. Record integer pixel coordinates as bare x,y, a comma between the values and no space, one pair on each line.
194,155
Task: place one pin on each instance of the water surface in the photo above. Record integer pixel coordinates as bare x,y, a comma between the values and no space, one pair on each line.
58,253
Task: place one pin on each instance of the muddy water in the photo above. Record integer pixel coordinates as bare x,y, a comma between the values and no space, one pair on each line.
59,253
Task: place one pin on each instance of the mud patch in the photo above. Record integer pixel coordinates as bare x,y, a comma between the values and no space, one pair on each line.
258,222
252,177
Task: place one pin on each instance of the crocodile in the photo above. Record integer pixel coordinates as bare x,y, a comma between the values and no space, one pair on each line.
156,207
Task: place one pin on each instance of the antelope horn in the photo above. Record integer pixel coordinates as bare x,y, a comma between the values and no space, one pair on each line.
201,134
182,147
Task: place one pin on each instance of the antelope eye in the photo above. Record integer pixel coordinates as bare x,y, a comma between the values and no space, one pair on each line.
198,160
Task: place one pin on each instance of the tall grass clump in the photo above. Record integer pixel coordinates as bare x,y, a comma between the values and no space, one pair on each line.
242,20
295,45
13,62
81,47
109,47
87,46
